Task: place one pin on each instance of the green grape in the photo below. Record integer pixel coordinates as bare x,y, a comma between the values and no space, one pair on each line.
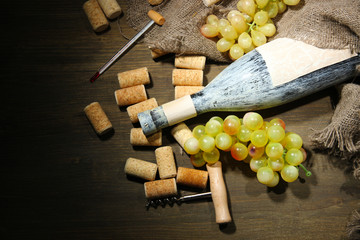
197,160
228,32
223,141
292,140
249,49
244,40
261,17
261,3
247,6
272,9
281,6
244,134
253,120
294,157
236,52
198,131
247,18
265,126
209,31
255,152
289,173
234,117
276,164
217,118
239,23
231,125
224,45
268,29
233,13
206,143
213,128
274,150
265,175
191,146
259,138
239,151
223,22
211,157
212,20
274,181
278,121
291,2
256,164
258,38
303,151
276,133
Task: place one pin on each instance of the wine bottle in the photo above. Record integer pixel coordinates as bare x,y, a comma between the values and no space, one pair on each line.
275,73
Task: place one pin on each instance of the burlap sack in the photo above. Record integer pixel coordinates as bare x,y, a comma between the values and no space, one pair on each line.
322,23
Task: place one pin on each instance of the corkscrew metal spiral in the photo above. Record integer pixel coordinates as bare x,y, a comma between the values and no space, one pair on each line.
175,200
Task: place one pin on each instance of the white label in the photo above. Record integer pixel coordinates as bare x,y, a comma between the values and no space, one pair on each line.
288,59
179,110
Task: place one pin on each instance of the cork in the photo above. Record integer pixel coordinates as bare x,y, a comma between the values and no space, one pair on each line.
187,77
190,62
111,8
140,168
166,162
209,3
181,91
130,95
138,138
156,17
155,2
139,76
98,118
95,15
192,177
181,132
133,110
156,53
160,188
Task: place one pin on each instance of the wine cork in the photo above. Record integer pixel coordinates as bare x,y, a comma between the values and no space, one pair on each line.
111,8
156,17
95,15
139,76
156,53
98,118
181,91
209,3
166,162
187,77
155,2
133,110
130,95
140,168
160,188
190,62
138,138
181,132
192,177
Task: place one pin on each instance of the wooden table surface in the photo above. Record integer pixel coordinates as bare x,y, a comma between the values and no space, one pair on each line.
59,180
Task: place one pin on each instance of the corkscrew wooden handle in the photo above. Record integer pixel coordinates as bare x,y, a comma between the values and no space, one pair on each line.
218,191
156,17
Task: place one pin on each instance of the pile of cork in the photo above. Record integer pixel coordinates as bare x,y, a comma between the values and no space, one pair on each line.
187,77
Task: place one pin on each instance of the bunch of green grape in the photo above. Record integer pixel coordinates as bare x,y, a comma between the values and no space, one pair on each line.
246,28
270,151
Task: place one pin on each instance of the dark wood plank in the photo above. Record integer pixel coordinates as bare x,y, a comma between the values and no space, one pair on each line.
59,180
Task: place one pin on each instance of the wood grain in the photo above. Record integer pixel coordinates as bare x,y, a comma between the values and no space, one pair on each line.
59,180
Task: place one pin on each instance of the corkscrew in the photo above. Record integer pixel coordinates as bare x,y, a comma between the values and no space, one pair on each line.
175,200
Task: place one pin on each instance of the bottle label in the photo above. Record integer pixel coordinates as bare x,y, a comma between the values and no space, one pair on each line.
179,110
288,59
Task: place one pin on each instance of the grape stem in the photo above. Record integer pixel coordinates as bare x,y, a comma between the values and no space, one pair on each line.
251,26
307,172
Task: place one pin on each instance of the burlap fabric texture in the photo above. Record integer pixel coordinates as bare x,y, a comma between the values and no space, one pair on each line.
322,23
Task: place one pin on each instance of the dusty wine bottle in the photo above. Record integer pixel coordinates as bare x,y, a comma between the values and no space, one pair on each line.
275,73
